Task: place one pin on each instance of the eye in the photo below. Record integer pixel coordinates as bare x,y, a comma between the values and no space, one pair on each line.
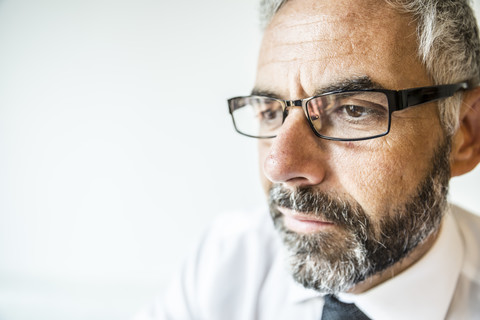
360,110
270,114
356,111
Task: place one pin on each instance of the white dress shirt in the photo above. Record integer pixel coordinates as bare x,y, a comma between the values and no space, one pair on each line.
238,272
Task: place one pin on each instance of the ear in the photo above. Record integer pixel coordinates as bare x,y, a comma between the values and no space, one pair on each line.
466,141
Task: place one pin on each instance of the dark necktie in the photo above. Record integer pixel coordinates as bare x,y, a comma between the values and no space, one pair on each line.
334,309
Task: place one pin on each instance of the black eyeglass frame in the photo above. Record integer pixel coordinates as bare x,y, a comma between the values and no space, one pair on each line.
397,100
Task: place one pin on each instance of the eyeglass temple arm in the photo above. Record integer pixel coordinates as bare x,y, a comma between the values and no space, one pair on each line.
429,94
416,96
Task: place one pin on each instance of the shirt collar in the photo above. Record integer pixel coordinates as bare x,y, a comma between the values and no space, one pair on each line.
423,291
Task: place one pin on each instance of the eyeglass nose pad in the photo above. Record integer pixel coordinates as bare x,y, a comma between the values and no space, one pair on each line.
290,104
285,114
316,122
314,116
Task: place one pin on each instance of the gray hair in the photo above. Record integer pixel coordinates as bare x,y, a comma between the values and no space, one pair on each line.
449,44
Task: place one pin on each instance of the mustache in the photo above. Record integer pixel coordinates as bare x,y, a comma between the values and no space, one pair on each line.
318,204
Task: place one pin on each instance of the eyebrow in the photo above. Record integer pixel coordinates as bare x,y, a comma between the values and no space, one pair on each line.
357,83
264,93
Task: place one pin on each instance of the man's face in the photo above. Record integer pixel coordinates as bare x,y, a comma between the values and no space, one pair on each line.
313,45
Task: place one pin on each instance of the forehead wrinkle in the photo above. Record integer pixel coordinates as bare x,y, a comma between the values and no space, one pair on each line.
293,21
294,83
291,43
266,64
328,19
305,52
324,25
293,31
316,32
330,11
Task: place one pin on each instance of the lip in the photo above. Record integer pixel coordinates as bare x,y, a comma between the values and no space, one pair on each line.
303,223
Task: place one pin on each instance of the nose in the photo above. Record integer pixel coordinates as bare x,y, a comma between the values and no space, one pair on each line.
295,157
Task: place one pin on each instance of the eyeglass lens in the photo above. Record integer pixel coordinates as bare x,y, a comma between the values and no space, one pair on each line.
346,115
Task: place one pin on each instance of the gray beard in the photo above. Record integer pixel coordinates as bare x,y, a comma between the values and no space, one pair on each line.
336,262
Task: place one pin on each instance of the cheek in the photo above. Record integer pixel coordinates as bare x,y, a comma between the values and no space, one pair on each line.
381,174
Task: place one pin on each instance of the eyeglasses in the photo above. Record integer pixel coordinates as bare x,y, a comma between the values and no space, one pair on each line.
350,115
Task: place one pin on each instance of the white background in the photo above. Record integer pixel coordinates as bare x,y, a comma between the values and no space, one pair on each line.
116,147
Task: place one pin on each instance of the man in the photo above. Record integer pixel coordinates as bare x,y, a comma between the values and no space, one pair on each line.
364,110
